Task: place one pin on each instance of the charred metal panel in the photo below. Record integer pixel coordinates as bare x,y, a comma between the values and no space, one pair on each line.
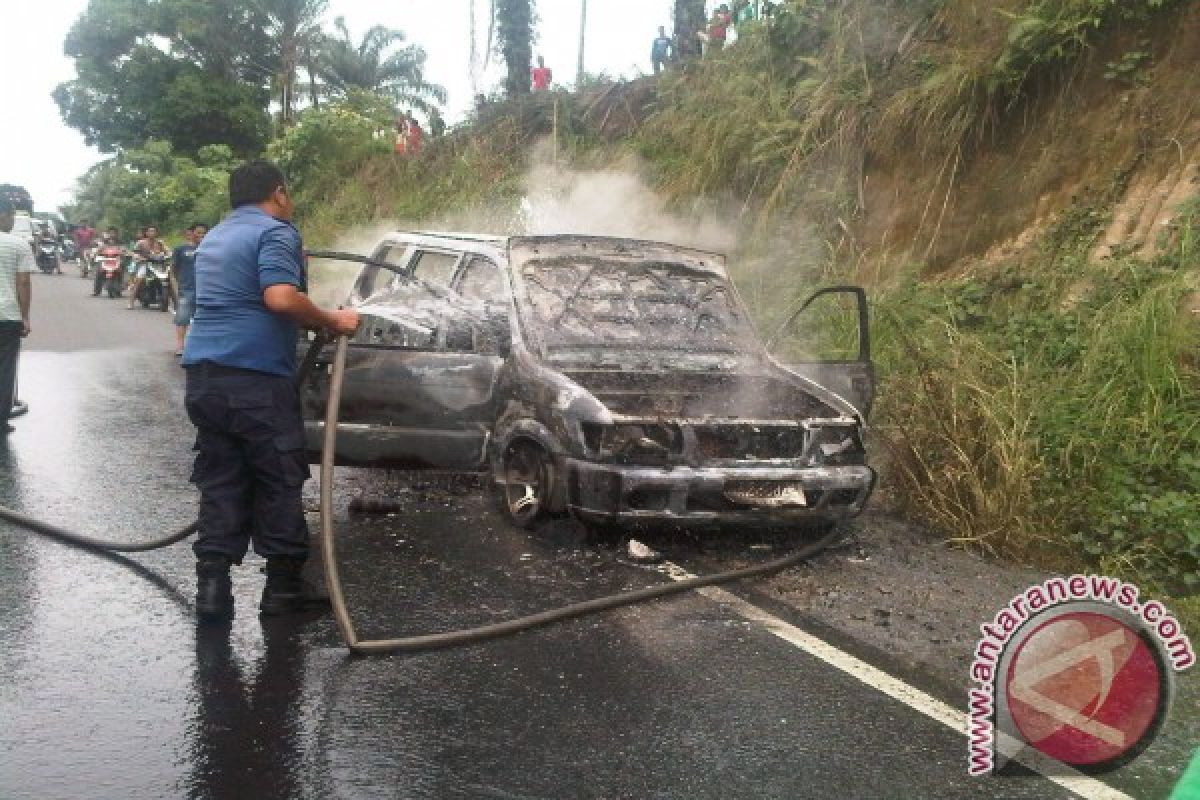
694,394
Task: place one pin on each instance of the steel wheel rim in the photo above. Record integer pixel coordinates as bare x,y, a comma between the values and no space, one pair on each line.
523,482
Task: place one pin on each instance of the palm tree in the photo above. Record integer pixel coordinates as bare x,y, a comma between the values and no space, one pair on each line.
375,64
514,33
689,20
582,41
296,27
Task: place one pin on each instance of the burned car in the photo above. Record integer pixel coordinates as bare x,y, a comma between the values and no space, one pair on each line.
621,381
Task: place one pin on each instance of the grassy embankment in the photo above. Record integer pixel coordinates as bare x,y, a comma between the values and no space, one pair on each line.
1035,403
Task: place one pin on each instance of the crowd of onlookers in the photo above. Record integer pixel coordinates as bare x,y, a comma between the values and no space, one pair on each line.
720,30
134,257
724,22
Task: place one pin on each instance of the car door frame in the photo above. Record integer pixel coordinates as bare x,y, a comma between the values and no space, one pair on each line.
462,446
851,379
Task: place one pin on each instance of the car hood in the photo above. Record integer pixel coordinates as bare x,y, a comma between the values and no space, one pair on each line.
751,395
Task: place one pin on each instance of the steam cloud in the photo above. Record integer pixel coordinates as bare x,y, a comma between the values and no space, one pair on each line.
557,199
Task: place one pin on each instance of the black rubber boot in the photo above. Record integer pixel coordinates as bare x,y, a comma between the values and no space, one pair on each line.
286,591
214,594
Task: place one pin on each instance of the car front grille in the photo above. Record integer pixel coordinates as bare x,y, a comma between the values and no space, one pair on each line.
749,442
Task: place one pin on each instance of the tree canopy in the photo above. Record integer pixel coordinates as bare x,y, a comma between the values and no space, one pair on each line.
295,31
184,71
514,37
379,63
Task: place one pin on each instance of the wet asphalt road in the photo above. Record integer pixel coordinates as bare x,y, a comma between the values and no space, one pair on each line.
108,689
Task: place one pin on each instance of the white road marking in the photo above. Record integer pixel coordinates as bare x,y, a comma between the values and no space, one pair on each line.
1069,779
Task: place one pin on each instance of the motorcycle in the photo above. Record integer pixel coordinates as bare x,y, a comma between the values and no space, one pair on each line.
108,261
70,250
46,253
154,290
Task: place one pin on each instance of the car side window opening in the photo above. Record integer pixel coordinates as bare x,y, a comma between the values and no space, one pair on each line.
482,281
378,331
434,267
370,281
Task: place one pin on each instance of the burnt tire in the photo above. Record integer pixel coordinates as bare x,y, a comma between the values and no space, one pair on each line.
525,484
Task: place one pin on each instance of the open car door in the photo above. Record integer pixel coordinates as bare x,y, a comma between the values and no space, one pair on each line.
828,341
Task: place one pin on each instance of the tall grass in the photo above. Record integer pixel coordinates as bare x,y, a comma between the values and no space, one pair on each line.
1064,435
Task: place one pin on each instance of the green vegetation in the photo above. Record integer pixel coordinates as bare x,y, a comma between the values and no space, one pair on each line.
154,185
198,73
374,65
514,38
1052,413
182,71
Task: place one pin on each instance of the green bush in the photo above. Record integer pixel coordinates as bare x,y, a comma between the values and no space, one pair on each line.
155,186
327,144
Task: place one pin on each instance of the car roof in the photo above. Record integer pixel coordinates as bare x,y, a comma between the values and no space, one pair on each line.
453,239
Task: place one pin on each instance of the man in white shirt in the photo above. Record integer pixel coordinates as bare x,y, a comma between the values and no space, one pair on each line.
16,293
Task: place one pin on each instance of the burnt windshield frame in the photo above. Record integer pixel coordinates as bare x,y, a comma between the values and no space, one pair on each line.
743,341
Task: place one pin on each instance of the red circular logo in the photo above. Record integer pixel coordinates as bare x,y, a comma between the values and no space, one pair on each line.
1085,688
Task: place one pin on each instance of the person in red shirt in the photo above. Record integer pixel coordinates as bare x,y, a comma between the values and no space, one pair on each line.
84,235
416,136
718,27
542,76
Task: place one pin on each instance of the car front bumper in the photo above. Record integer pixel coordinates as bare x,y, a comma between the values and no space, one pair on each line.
740,495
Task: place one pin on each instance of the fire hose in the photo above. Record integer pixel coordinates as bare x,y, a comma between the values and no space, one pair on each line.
424,642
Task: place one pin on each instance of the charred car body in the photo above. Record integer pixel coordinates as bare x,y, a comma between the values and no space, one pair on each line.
619,380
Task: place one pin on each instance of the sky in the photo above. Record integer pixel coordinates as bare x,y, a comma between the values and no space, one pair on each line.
39,152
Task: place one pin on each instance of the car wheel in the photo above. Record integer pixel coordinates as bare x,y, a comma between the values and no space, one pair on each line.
162,304
527,479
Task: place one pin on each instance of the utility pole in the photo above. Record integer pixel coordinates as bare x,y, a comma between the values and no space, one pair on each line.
582,40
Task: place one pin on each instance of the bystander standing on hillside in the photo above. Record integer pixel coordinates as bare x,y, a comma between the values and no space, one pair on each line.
744,11
16,295
718,29
416,136
541,76
661,50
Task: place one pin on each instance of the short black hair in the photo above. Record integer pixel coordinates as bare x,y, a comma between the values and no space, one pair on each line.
254,182
199,225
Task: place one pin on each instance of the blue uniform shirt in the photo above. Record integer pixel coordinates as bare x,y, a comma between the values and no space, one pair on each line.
249,251
183,262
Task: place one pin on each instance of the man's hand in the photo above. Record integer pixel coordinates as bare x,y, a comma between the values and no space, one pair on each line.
26,328
287,300
345,321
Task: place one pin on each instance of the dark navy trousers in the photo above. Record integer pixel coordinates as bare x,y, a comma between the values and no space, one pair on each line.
250,462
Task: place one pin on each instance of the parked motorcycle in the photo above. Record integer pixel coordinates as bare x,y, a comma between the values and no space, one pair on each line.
46,252
154,290
108,261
